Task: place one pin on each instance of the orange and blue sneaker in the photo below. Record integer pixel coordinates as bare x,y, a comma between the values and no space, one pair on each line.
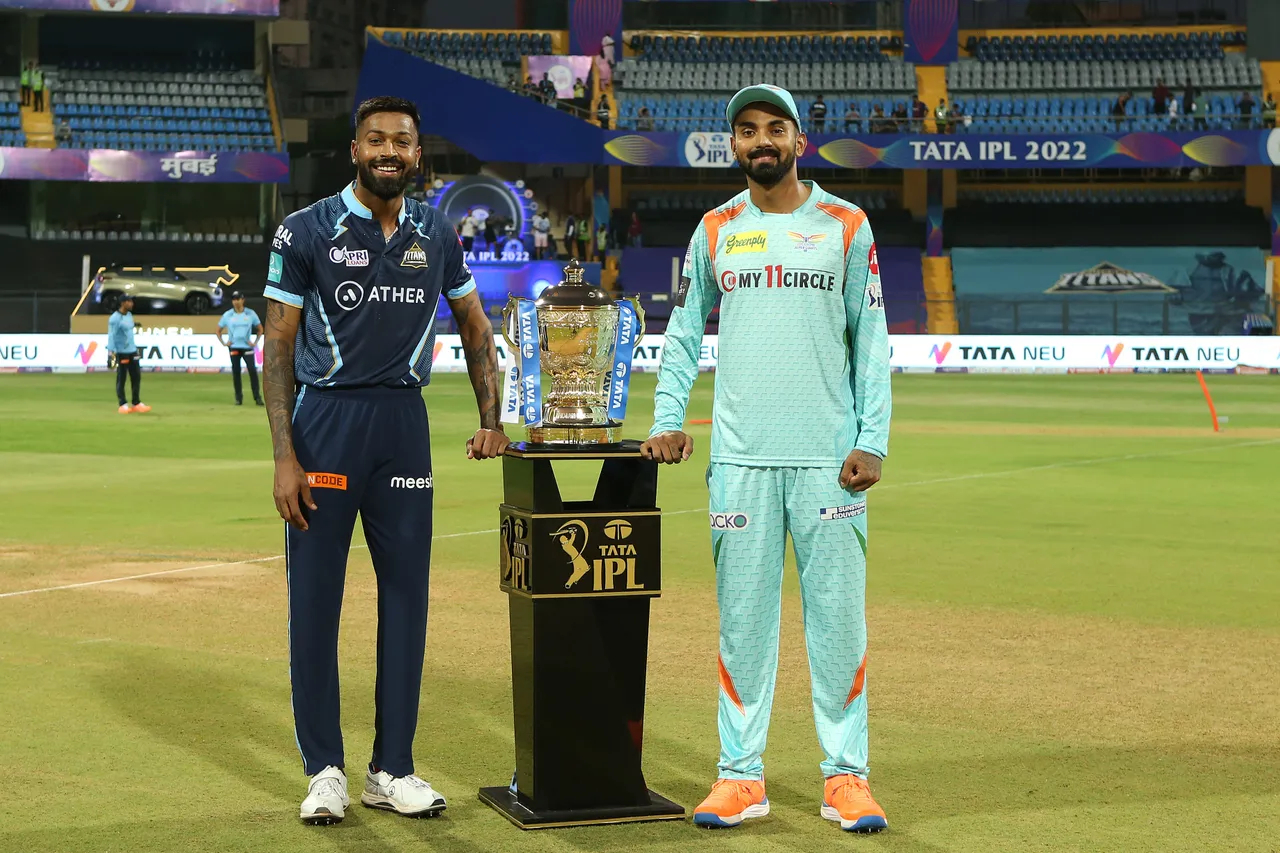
732,801
847,799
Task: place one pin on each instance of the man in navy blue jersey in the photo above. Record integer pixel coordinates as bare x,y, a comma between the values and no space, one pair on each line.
354,283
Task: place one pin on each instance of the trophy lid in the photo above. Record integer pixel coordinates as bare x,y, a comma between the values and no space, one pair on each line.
573,292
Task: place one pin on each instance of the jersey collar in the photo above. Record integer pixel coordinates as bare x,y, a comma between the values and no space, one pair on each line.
355,206
808,205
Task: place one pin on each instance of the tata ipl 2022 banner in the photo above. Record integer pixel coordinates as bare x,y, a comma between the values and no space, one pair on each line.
255,8
931,353
1140,290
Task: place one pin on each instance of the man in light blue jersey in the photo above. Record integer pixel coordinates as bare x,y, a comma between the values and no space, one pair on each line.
243,329
122,353
801,424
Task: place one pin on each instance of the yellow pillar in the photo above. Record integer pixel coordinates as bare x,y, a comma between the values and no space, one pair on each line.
940,296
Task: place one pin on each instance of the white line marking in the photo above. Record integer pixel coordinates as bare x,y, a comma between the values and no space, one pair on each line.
1068,464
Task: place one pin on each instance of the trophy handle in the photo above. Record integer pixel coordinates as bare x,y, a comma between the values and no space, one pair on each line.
508,311
635,303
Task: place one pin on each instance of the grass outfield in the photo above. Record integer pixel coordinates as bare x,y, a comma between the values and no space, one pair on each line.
1074,609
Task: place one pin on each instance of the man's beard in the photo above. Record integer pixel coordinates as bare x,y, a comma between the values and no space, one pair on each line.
385,187
767,175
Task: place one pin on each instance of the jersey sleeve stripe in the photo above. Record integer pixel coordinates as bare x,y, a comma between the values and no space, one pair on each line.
851,220
712,221
462,289
283,296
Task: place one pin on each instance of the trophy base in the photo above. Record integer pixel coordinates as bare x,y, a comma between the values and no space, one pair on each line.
606,434
510,807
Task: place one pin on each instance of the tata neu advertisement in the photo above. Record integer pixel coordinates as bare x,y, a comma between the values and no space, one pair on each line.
933,353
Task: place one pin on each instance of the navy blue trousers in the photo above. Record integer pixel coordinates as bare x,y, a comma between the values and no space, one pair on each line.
366,451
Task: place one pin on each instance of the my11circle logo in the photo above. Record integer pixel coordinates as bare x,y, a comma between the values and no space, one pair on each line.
349,295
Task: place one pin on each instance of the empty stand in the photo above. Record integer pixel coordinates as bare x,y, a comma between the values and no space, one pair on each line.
642,83
774,50
490,56
11,135
160,110
1064,84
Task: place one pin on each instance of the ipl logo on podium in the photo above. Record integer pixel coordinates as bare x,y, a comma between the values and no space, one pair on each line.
615,565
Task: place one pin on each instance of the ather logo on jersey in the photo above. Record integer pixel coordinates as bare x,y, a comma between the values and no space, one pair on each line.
414,256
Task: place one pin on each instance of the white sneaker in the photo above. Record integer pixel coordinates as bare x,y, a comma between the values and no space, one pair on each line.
327,799
406,795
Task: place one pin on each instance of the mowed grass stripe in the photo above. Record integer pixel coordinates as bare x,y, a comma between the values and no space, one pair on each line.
1074,658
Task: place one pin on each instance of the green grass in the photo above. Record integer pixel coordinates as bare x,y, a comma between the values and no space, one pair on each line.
1074,606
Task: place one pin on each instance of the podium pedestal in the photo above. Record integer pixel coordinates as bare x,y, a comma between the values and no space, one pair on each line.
579,576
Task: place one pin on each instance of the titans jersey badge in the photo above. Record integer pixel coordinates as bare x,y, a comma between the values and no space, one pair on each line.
414,256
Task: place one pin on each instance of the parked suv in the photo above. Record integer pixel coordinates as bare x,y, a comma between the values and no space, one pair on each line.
157,289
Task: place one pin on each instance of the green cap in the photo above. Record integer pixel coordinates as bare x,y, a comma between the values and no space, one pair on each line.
767,93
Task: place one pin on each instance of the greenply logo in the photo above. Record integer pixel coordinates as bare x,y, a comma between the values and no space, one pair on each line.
751,241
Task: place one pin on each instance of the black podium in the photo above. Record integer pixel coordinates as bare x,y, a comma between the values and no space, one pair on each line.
579,576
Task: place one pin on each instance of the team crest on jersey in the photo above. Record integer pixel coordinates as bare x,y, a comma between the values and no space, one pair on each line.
414,256
806,244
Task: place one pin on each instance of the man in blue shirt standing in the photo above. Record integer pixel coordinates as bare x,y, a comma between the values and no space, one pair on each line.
355,281
123,353
243,329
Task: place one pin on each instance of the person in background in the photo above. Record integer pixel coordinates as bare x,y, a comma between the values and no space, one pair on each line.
1188,100
63,132
940,116
468,232
25,80
581,235
901,122
1246,105
1269,111
244,330
1201,110
877,121
919,112
1173,112
530,87
490,231
548,89
636,231
644,120
1119,110
571,236
602,112
513,84
37,88
959,121
606,48
541,234
580,95
122,353
1160,97
852,119
818,114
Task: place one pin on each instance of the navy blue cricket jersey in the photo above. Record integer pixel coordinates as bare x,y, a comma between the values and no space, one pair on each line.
368,304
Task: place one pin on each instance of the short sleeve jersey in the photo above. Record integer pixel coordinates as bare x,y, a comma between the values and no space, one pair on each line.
803,372
368,303
239,326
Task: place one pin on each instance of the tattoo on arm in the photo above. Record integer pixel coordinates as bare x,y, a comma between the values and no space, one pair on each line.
481,355
277,375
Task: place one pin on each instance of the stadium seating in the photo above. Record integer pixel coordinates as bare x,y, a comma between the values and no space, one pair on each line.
648,84
163,110
773,50
1103,196
172,236
701,201
11,135
1076,95
489,56
1089,48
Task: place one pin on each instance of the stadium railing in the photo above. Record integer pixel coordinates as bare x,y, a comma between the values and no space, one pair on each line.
1067,315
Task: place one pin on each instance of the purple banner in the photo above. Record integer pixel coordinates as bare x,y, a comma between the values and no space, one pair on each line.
257,8
590,21
931,35
75,164
562,71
